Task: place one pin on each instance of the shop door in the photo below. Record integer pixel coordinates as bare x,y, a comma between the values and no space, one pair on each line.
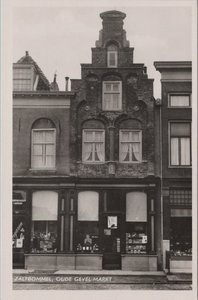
111,241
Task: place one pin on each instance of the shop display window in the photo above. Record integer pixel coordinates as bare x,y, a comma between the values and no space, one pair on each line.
44,222
44,236
19,223
181,236
136,223
18,236
87,237
136,238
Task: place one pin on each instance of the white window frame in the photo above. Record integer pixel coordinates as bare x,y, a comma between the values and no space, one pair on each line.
111,92
43,154
93,161
109,53
169,144
179,94
130,146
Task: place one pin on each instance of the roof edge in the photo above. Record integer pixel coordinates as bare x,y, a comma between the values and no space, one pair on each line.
165,65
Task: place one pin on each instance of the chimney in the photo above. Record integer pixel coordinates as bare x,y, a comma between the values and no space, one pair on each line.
26,53
113,26
67,82
54,77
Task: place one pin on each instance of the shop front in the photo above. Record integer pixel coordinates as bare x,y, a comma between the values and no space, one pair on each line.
19,225
180,254
82,228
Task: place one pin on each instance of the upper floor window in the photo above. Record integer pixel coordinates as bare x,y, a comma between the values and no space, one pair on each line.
130,146
22,78
112,95
43,144
179,100
43,148
112,56
180,143
93,149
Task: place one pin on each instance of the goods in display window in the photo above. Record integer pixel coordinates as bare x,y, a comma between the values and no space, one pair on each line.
136,238
44,237
181,236
90,245
18,235
87,237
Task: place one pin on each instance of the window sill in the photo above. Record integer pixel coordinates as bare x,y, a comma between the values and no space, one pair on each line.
112,110
181,257
42,169
180,167
92,163
107,162
138,254
133,162
179,107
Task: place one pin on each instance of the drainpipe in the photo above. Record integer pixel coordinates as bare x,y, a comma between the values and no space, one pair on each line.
161,191
159,103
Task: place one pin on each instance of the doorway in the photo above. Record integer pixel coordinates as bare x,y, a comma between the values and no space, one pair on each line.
111,241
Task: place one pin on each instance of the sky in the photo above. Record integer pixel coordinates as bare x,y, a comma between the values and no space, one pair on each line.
59,39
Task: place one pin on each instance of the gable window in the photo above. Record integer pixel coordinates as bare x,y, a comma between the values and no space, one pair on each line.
130,146
93,145
179,100
43,148
112,95
180,144
112,56
22,78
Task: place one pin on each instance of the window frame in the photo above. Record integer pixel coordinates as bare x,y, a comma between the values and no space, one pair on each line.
111,93
84,223
93,143
23,80
169,144
140,143
37,221
179,94
109,52
32,144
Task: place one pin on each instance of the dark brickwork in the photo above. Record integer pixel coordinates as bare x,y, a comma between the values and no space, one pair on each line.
137,105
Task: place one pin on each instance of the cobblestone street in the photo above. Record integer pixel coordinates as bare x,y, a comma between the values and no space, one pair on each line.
169,286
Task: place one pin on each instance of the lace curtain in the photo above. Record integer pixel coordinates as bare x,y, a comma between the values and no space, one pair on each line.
93,146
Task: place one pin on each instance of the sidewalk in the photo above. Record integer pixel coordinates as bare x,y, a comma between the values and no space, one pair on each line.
179,278
98,277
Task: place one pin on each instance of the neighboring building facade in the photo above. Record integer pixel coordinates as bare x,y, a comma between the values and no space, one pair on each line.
41,117
176,117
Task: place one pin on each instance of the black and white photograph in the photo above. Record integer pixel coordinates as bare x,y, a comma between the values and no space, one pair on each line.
100,148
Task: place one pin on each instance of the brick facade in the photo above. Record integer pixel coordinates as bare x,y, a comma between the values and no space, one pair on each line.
137,105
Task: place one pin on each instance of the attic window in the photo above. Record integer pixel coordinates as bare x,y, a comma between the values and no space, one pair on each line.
112,56
22,78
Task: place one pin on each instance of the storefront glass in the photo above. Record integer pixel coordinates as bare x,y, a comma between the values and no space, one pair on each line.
136,223
44,222
181,236
88,222
19,228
